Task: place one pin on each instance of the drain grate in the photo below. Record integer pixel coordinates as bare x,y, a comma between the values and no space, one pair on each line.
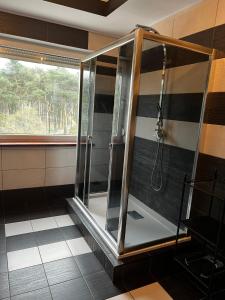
135,215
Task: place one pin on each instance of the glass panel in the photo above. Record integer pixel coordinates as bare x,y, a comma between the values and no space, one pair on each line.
173,82
101,131
118,136
84,143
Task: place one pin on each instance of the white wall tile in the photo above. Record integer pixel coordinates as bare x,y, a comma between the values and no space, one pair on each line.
17,179
23,158
178,133
60,176
60,157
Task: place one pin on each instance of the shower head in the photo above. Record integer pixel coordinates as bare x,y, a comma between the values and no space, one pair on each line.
147,28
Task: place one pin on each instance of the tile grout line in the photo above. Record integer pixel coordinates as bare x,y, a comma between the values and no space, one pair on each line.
43,265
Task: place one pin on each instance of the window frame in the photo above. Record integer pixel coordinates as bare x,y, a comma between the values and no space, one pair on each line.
66,54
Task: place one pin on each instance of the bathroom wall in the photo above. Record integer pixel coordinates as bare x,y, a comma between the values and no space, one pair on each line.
204,24
31,167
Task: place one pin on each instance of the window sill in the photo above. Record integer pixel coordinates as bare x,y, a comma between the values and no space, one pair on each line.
37,144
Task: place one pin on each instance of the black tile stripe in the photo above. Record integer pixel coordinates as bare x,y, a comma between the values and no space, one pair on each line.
176,163
105,71
180,107
207,165
215,109
152,59
107,59
42,30
104,103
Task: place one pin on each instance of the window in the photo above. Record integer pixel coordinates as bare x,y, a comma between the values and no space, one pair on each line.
38,98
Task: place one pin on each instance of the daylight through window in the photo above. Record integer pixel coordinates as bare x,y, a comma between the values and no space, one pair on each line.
37,98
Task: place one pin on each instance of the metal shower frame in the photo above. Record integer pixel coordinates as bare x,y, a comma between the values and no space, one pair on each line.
138,36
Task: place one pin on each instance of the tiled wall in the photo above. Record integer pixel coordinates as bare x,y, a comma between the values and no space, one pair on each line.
36,167
204,24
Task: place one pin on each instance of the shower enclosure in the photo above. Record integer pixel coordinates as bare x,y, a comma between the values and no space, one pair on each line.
126,89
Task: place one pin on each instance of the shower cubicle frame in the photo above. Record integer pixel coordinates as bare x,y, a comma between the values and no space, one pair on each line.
138,36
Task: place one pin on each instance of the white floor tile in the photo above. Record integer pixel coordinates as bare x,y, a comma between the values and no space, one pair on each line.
43,224
18,228
63,221
54,251
23,258
152,291
78,246
125,296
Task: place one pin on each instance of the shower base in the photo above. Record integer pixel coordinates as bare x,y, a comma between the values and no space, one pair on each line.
143,223
143,264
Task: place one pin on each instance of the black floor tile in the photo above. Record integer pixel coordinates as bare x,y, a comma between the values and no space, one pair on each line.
26,280
61,270
43,294
19,242
48,236
88,263
3,263
4,286
101,286
71,232
71,290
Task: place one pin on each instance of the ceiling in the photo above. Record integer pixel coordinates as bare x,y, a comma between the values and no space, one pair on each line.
119,22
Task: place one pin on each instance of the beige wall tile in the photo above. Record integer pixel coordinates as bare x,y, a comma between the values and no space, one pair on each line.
23,158
196,18
105,84
60,157
178,133
220,19
165,27
184,79
213,140
0,180
0,158
17,179
60,176
218,82
97,41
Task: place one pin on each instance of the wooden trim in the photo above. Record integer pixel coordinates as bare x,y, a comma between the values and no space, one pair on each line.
37,144
36,139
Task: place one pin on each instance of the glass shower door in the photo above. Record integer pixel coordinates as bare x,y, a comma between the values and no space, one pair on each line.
119,130
84,144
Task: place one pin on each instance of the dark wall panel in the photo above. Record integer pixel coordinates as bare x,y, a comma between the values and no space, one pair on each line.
215,109
176,163
181,107
43,31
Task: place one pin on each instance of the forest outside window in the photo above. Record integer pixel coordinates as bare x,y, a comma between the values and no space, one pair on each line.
39,96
